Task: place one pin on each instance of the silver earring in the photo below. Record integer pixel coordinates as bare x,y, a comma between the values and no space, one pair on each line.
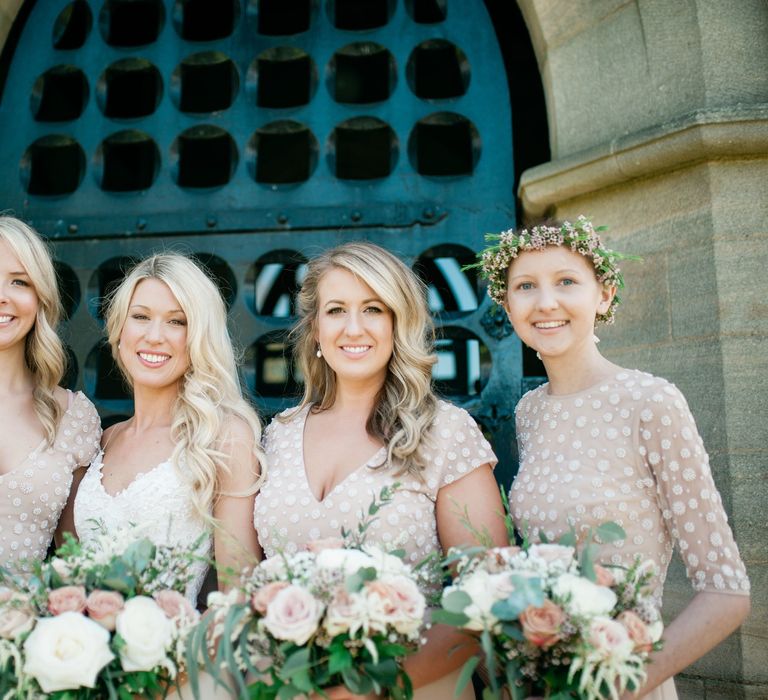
319,352
538,354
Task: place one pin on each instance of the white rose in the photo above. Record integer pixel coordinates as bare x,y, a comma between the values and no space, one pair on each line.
347,560
479,588
386,563
610,638
293,614
347,612
582,597
147,633
66,652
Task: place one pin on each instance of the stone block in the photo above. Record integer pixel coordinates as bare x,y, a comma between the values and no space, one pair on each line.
742,285
739,190
694,292
689,688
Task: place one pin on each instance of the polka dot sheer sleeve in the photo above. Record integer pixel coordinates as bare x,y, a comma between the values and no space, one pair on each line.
670,444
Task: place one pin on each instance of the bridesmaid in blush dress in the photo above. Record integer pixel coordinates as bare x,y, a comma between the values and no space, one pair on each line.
47,431
599,442
368,419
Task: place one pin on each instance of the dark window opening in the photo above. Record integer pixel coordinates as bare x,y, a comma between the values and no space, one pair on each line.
283,17
271,367
364,148
463,363
427,11
438,69
129,89
131,22
451,292
283,152
362,72
444,144
285,77
72,26
207,157
129,160
60,94
53,165
209,82
221,273
274,281
69,288
361,14
205,20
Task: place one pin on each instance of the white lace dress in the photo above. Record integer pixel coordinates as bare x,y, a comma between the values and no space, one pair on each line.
159,501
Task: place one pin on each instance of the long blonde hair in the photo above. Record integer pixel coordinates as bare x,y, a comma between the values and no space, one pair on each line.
406,405
43,350
210,395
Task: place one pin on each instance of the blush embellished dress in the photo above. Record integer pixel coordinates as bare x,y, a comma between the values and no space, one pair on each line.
627,450
33,494
288,515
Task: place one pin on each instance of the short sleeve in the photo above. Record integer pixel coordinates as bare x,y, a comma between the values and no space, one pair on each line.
670,444
458,446
80,432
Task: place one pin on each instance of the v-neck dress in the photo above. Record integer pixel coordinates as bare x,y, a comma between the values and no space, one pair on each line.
33,494
287,514
158,502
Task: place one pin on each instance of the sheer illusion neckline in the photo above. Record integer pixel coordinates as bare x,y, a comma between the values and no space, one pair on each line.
301,427
99,464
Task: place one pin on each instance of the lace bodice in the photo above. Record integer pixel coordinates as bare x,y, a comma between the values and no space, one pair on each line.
33,494
158,501
625,450
287,514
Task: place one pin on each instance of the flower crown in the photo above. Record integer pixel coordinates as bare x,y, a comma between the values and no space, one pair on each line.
582,237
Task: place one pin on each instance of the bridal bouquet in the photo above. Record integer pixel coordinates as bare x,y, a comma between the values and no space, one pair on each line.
107,620
340,613
551,621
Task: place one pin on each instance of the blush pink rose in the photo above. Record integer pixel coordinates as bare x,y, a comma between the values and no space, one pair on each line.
103,607
15,621
401,601
175,606
604,576
293,615
637,630
263,596
610,638
66,599
317,546
347,612
541,626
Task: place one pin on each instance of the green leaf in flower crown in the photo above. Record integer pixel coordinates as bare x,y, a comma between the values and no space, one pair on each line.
610,532
456,601
139,554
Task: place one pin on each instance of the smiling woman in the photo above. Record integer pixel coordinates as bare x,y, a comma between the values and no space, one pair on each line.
187,463
46,431
369,419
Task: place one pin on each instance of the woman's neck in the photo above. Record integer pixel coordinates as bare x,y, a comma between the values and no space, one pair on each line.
355,399
574,372
153,408
15,377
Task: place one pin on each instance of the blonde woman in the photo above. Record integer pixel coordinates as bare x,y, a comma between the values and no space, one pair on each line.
187,463
369,418
47,431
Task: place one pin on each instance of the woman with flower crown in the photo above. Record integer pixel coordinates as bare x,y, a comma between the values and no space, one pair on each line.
47,431
186,465
369,419
599,442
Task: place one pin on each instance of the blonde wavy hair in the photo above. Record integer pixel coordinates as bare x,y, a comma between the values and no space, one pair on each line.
406,405
43,351
210,395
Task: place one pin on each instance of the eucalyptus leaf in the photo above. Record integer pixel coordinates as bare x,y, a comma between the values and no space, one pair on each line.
466,675
446,617
611,532
456,601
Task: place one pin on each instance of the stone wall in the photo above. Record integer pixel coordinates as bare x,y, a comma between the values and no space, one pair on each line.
659,128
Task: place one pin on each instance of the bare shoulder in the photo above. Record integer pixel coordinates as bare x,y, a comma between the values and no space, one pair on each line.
238,431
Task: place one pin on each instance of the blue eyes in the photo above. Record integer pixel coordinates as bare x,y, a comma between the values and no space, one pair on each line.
367,309
528,286
20,283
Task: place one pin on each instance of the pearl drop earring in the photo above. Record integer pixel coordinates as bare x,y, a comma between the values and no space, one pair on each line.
595,339
319,352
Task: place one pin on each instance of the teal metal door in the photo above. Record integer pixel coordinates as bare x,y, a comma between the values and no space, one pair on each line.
254,134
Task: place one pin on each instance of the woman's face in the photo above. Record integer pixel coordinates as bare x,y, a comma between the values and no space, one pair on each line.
354,328
552,300
153,341
18,299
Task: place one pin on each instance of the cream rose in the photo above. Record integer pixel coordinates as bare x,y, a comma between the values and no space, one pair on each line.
66,652
263,596
15,621
350,561
582,597
553,553
396,601
103,607
66,599
637,630
541,626
478,587
293,614
317,546
147,633
609,638
175,606
347,612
